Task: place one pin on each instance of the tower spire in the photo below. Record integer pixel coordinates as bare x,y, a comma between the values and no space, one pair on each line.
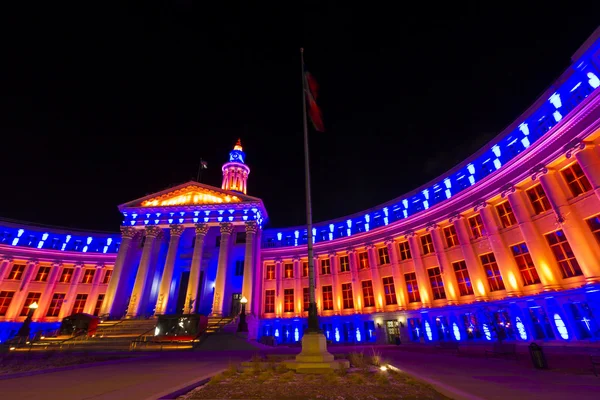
235,172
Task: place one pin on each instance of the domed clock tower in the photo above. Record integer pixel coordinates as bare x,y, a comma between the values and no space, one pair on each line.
235,172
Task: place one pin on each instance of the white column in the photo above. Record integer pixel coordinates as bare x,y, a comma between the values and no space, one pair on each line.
127,234
376,278
93,296
67,305
399,281
21,295
422,278
226,230
164,291
476,273
5,267
356,283
138,301
48,292
192,303
336,290
248,278
278,288
448,275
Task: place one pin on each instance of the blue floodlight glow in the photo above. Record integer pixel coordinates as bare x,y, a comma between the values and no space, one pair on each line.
170,220
521,328
105,249
108,241
182,213
157,215
63,247
471,169
367,218
279,234
85,248
195,219
456,331
44,236
89,240
245,217
486,332
206,219
561,327
593,81
230,218
428,331
134,216
146,222
496,150
358,335
20,232
426,194
196,213
156,221
331,227
181,220
220,219
385,211
40,244
132,222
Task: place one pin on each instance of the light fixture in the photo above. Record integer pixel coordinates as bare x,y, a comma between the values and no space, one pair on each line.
244,300
33,306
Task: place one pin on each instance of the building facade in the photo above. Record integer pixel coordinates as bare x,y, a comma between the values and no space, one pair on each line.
505,244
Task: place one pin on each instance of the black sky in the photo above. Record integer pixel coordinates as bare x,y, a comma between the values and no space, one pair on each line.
102,106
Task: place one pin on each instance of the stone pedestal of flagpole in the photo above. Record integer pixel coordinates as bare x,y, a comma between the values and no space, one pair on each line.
314,357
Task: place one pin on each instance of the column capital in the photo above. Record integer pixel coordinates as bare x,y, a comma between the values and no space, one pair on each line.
538,171
277,260
350,250
6,258
78,265
128,232
296,259
153,231
33,261
479,205
332,254
100,266
454,217
573,147
57,264
176,230
508,189
226,228
389,241
251,227
431,227
369,246
201,229
409,234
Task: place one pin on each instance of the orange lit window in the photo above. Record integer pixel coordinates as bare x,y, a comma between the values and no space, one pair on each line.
305,268
538,199
271,271
66,275
107,276
525,263
79,304
269,301
288,271
88,275
5,300
594,224
325,267
368,297
288,300
412,287
31,298
16,273
306,298
42,274
344,264
462,278
564,255
506,214
347,295
427,244
436,282
384,257
98,304
451,237
389,290
576,180
55,304
488,261
327,298
476,226
363,260
404,251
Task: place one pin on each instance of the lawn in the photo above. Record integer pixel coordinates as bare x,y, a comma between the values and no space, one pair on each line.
270,379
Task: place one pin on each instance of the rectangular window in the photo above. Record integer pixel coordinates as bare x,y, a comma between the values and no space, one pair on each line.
507,218
79,304
389,290
412,287
88,275
55,304
107,276
436,282
594,224
368,296
363,260
270,271
451,237
384,257
5,300
269,301
476,226
347,295
564,255
325,267
427,244
305,269
31,298
344,264
98,304
404,251
288,270
306,298
288,300
16,273
462,278
239,267
66,276
576,180
525,263
327,298
42,274
538,199
240,237
488,261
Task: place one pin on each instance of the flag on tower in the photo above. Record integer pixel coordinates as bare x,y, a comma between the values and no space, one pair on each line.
311,89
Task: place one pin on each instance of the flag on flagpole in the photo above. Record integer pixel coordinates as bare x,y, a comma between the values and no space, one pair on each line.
311,89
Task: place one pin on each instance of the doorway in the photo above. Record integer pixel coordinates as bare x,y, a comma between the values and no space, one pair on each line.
392,331
235,304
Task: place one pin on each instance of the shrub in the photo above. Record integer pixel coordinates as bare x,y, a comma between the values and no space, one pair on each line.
357,360
376,358
342,370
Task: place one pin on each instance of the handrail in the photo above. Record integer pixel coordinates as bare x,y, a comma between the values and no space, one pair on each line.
203,335
138,339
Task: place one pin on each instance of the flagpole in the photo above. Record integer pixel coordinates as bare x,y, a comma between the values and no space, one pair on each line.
313,322
199,172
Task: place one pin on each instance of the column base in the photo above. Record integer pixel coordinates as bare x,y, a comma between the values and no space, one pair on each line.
516,293
592,280
552,288
481,298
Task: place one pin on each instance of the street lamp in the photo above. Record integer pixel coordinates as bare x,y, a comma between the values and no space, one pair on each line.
243,325
25,329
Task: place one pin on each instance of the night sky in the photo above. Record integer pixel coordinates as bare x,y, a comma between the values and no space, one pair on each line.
102,106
